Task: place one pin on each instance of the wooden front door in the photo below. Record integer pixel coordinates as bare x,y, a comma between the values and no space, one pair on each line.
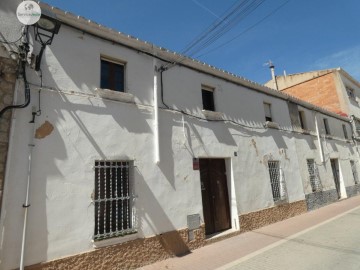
215,196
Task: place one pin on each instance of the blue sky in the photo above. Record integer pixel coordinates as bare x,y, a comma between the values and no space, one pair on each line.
300,36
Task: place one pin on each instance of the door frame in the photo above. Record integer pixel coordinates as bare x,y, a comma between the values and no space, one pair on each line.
342,190
233,209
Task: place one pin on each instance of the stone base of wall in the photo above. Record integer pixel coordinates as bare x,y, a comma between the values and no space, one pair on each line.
271,215
321,198
8,69
132,254
353,190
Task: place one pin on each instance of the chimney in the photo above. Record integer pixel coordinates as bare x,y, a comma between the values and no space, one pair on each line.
273,77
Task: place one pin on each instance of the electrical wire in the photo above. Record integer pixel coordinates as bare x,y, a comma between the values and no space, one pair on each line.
26,93
24,49
246,30
220,27
11,42
228,26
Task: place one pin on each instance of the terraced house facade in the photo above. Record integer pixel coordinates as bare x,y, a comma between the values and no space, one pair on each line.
135,157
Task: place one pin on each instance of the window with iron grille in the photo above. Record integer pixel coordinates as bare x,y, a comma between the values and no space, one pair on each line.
277,182
113,210
354,171
313,175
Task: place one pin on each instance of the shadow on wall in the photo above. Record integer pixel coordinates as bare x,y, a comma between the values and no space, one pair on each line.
138,123
36,246
71,74
44,170
150,211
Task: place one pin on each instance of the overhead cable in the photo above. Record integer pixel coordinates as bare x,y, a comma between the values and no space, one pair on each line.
221,26
246,30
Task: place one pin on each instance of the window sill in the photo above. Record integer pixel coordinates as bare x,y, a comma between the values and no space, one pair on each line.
274,125
281,201
115,95
115,240
329,137
306,131
211,115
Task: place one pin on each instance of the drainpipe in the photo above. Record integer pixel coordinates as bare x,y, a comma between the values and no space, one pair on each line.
156,120
319,139
26,204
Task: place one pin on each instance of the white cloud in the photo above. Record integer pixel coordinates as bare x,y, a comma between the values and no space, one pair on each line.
348,59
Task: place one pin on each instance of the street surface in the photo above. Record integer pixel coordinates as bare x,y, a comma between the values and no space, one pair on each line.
327,238
333,245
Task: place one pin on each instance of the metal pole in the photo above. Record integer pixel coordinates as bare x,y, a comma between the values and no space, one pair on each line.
26,204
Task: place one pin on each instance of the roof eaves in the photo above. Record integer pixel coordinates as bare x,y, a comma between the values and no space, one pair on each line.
111,34
348,76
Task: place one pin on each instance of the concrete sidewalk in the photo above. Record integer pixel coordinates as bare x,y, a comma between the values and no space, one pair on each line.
246,251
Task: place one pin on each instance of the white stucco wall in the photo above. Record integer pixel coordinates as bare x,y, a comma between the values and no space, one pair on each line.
89,128
334,146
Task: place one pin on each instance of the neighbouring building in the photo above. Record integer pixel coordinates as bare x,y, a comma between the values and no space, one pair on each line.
332,89
133,159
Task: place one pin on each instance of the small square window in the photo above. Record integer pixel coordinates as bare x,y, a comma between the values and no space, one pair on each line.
208,98
357,126
112,76
326,126
302,119
345,132
350,92
267,108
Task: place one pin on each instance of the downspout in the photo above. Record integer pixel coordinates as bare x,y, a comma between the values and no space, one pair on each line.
26,204
319,140
156,119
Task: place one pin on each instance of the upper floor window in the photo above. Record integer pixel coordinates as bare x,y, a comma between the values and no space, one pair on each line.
345,132
326,126
268,115
302,119
112,75
208,98
350,92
